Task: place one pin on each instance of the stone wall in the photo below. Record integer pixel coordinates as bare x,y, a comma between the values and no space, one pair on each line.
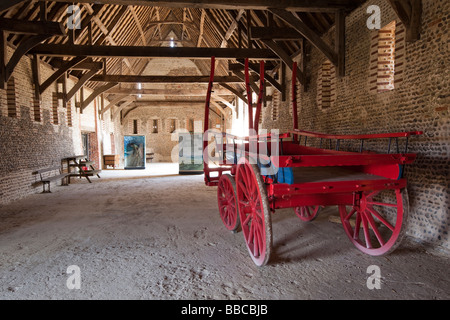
418,103
33,139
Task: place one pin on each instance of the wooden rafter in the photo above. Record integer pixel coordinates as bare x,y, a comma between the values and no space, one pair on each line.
67,50
32,27
166,92
308,33
234,91
58,73
202,27
85,78
255,68
5,5
232,28
286,59
98,91
410,13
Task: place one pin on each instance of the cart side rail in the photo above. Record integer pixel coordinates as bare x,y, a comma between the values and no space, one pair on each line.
361,137
356,136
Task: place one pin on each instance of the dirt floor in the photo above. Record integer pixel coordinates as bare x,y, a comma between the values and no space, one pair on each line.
141,235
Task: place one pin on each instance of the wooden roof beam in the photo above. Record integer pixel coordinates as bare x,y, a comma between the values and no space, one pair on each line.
32,27
308,33
58,73
168,92
69,50
286,59
294,5
275,33
410,13
6,5
162,79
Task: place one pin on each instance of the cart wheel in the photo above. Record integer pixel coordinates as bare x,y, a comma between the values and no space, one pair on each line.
226,197
307,213
254,212
379,221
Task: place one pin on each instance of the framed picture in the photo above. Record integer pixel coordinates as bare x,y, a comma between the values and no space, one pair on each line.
134,152
191,153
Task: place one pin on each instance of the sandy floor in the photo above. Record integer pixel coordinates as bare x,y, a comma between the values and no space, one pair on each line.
140,235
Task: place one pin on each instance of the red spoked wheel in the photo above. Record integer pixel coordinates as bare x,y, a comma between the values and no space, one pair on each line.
376,225
227,200
307,213
254,212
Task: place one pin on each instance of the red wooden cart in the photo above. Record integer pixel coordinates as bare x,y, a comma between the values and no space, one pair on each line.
307,171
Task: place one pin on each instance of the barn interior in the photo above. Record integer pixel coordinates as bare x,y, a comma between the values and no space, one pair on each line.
83,83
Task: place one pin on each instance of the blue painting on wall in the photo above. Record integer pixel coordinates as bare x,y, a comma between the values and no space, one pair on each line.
134,149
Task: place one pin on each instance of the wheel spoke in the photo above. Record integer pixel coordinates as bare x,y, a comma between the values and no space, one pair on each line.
244,190
253,211
247,220
383,220
348,216
375,229
357,226
366,231
394,205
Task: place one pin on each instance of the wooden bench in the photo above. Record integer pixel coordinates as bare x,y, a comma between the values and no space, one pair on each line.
47,175
79,166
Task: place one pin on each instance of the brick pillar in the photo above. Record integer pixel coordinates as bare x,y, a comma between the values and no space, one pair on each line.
400,50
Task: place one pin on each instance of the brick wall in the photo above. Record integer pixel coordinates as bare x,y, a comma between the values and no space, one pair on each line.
420,101
163,143
38,133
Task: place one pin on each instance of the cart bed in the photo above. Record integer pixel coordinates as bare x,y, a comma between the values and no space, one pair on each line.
329,174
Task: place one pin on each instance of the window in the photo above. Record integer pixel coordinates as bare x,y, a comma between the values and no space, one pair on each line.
69,113
172,125
135,127
11,98
387,58
155,126
190,127
55,104
326,86
275,105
